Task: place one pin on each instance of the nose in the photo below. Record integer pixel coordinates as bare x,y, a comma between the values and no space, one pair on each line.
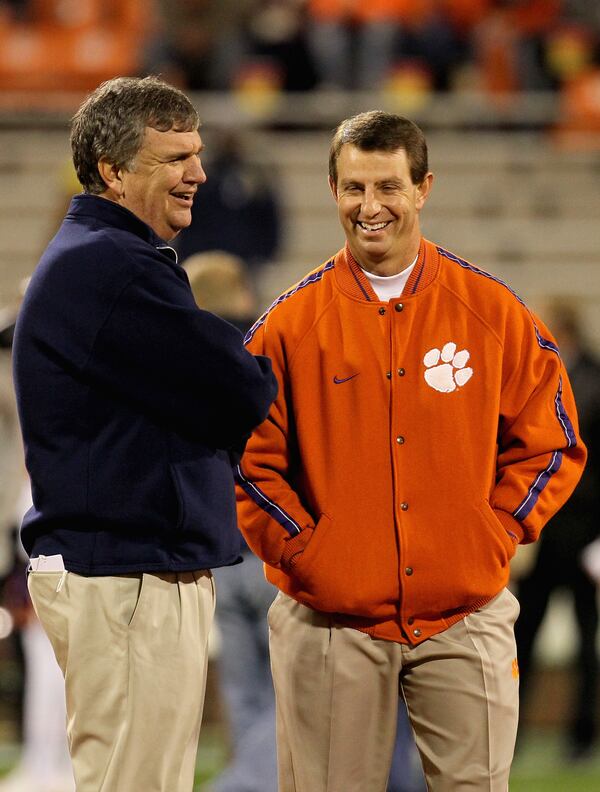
371,205
194,173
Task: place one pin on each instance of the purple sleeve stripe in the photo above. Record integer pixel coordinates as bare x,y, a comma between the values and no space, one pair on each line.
538,485
465,265
563,418
313,278
266,504
543,342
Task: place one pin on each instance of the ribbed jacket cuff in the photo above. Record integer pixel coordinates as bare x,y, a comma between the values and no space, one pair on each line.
512,526
294,546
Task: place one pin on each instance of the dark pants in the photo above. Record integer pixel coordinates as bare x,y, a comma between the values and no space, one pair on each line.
559,567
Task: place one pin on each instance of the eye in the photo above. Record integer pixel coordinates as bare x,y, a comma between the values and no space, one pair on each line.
181,157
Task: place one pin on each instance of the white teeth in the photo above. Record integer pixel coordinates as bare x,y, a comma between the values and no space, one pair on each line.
373,226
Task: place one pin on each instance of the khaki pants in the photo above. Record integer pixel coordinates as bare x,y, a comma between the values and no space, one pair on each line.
337,695
133,651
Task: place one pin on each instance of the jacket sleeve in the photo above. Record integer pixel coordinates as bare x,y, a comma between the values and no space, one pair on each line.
540,453
275,523
185,368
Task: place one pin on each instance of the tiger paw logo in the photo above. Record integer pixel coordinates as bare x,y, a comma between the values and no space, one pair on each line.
446,369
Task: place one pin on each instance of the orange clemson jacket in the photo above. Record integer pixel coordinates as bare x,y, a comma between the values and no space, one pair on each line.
413,444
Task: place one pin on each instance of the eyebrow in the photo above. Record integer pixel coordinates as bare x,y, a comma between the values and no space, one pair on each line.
181,151
379,183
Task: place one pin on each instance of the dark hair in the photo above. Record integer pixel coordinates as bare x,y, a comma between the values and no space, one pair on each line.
379,131
111,122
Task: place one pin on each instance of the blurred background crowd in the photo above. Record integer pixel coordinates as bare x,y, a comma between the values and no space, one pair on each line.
508,92
299,45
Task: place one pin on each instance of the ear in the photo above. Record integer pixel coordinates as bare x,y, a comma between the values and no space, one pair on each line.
111,175
424,190
333,188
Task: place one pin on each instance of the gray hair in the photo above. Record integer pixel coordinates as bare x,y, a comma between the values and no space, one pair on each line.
111,123
380,131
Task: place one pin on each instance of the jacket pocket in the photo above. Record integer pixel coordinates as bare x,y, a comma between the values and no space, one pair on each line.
302,563
205,494
330,574
508,544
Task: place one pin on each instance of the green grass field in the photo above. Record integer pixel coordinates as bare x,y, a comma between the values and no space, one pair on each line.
539,766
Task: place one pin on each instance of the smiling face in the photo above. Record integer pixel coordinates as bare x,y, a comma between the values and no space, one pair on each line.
162,182
378,207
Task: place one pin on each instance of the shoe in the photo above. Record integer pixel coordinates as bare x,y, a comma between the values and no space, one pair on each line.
576,752
582,740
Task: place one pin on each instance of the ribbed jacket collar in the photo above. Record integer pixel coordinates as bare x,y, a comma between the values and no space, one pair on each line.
352,279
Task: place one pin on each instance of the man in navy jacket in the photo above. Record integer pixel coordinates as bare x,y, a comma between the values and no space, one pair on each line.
133,403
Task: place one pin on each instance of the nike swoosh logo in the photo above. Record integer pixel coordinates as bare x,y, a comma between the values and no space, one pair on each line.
345,379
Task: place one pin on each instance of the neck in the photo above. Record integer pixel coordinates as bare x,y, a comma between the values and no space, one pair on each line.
109,195
387,267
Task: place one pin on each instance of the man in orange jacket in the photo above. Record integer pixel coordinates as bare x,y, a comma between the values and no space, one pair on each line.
424,427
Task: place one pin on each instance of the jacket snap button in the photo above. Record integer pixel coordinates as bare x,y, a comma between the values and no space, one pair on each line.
399,439
388,374
382,310
409,571
404,506
399,307
401,372
417,633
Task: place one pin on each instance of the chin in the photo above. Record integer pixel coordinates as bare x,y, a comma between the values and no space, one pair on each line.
183,221
375,251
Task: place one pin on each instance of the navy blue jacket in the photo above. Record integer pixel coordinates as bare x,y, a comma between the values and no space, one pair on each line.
132,401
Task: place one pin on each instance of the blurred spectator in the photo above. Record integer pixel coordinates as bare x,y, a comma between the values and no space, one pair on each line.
358,45
11,449
240,211
406,772
510,45
44,764
221,44
579,123
199,44
295,44
583,13
352,43
463,18
277,40
220,283
558,563
574,55
14,9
